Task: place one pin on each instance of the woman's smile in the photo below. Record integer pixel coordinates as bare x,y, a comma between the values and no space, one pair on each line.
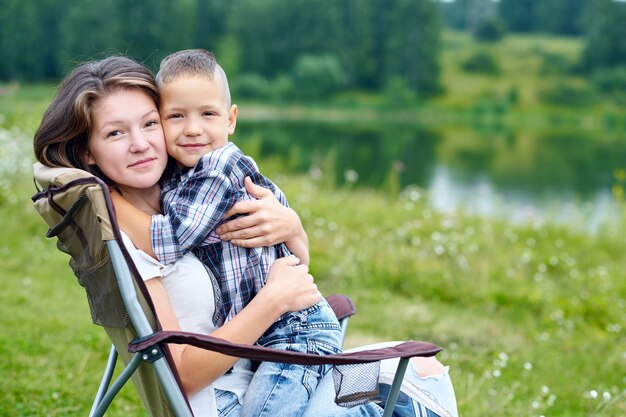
143,163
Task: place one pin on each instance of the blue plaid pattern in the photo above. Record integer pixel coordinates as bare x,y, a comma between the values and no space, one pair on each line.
193,203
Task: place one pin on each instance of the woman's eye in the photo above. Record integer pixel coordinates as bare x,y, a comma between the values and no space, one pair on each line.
152,123
114,133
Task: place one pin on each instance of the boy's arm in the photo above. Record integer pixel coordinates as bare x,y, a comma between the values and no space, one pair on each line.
189,214
299,246
298,243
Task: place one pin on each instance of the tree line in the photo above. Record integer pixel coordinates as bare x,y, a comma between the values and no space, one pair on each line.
357,44
285,46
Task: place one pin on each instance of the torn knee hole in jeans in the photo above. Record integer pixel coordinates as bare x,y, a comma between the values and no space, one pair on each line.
428,367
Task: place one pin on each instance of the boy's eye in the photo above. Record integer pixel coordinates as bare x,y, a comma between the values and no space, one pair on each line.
175,116
208,113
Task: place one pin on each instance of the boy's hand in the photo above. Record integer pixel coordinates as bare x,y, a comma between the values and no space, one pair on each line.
267,222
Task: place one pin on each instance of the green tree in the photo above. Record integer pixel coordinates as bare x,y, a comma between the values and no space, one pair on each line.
550,16
255,27
211,22
373,41
490,30
79,40
28,39
357,41
559,16
152,29
605,33
317,76
412,44
453,13
517,14
15,20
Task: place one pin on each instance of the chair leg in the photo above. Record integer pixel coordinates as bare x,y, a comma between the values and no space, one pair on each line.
344,328
395,387
117,386
106,380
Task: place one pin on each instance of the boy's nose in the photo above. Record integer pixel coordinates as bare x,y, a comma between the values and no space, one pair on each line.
192,130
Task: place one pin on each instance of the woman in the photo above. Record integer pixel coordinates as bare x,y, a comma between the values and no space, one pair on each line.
104,119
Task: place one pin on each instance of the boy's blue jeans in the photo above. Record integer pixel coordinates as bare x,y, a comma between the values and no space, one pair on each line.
436,392
283,389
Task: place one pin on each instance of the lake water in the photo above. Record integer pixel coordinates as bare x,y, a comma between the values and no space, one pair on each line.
559,175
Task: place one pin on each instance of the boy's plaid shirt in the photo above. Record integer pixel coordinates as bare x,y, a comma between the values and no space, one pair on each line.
193,203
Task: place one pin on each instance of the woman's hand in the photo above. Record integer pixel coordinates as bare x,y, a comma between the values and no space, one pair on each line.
267,223
289,286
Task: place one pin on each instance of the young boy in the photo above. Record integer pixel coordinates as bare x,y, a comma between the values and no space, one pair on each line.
197,118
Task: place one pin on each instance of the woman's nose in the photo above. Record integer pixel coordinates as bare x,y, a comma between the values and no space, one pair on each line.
139,143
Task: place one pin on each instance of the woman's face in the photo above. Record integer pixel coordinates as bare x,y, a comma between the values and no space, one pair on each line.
126,141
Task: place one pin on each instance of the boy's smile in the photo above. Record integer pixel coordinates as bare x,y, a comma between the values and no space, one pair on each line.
196,118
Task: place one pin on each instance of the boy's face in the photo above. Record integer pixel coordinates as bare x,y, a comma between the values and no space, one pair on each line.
196,118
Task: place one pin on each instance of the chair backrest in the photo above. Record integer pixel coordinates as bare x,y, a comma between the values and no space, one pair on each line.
77,207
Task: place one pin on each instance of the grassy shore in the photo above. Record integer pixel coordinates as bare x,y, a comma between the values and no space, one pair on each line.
531,316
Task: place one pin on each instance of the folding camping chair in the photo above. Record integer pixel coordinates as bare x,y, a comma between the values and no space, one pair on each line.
78,209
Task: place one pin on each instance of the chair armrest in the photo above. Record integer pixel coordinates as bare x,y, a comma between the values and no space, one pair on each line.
341,305
402,350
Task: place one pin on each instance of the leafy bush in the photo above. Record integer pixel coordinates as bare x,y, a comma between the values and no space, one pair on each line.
553,63
490,30
481,62
251,85
397,92
566,94
317,76
611,80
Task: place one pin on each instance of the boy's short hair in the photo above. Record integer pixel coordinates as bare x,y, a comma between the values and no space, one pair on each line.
192,62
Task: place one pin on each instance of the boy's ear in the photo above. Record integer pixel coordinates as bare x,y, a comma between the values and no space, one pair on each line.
232,119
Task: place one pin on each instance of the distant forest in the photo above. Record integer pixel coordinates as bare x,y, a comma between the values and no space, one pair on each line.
332,44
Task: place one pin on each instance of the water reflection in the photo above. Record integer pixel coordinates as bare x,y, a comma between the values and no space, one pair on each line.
482,197
521,176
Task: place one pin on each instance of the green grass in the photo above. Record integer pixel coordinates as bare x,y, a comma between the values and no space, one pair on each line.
525,312
531,317
53,355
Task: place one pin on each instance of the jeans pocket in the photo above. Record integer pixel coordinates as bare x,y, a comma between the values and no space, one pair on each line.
314,373
227,403
311,378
